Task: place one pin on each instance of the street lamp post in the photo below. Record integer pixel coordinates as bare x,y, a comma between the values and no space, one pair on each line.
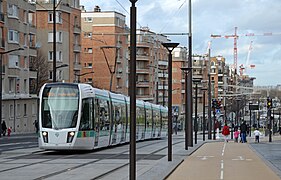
132,89
204,119
1,63
170,47
196,81
186,71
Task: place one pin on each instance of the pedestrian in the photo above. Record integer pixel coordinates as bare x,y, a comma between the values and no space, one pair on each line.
4,128
236,134
36,126
225,132
9,131
257,134
243,132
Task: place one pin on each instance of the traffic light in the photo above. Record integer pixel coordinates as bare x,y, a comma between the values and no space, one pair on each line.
269,103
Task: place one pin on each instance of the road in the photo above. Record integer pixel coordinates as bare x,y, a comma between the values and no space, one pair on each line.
21,159
14,142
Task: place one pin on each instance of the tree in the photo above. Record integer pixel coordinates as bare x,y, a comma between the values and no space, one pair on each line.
40,65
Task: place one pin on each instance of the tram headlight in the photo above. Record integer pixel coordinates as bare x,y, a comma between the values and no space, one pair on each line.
45,136
70,136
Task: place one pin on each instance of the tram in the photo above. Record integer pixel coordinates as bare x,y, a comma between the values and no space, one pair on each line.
76,116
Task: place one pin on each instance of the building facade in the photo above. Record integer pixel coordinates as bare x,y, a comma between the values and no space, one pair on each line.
17,47
68,37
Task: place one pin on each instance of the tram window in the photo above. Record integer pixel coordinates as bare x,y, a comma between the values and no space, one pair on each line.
87,119
103,114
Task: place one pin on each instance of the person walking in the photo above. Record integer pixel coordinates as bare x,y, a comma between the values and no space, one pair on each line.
257,134
4,128
225,132
243,131
236,134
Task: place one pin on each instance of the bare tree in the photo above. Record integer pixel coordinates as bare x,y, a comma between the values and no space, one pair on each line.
40,65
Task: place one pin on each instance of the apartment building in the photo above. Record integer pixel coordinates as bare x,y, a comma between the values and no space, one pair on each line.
68,37
106,56
151,67
104,50
179,60
17,47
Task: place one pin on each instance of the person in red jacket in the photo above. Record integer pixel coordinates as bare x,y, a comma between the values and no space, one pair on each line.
225,132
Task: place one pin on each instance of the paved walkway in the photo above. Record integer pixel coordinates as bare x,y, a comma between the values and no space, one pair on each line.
220,160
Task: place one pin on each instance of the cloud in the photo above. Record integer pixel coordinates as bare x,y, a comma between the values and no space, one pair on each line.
215,17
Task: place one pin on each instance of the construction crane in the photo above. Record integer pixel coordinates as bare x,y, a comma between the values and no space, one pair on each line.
235,37
242,68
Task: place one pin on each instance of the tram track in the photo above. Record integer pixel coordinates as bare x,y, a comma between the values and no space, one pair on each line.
95,161
124,165
123,154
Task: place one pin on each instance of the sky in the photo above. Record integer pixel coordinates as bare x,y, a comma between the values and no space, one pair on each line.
215,17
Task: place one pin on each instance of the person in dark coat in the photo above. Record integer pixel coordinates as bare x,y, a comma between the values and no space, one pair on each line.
243,131
4,128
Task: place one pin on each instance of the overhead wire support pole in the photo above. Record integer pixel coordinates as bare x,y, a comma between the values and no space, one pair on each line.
54,42
132,89
189,85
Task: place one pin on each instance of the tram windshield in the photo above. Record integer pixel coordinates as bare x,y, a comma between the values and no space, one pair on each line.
60,106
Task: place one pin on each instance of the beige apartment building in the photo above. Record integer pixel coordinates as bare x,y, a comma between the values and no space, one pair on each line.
18,30
68,37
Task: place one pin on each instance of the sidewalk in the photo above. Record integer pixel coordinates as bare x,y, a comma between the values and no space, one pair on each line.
219,160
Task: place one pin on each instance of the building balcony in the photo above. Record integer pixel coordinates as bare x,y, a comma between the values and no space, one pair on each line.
77,29
76,47
32,29
142,71
32,51
197,76
143,84
143,57
77,66
118,75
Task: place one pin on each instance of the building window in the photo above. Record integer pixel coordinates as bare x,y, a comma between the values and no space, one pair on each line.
13,36
13,61
58,56
13,11
90,50
50,56
33,109
58,37
24,85
50,75
11,110
58,17
90,65
18,110
24,110
88,19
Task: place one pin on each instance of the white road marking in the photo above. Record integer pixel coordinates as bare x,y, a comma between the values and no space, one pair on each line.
203,158
240,158
223,149
221,177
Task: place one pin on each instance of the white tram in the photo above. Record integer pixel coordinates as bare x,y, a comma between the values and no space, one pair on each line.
78,116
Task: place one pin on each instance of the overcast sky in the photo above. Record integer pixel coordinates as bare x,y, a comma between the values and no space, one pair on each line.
215,17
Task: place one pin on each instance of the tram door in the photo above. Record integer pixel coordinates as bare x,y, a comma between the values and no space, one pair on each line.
104,122
119,122
97,121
